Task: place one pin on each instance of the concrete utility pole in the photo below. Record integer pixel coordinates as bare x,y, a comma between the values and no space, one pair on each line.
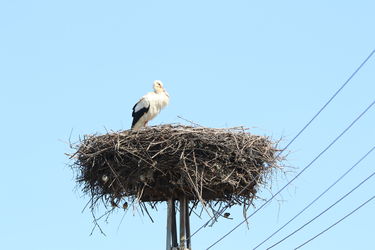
171,240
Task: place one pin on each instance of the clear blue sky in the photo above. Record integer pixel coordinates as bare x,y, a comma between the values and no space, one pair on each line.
267,65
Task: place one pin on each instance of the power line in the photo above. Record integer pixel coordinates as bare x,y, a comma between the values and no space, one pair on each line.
317,198
303,170
337,222
216,215
323,212
305,127
334,95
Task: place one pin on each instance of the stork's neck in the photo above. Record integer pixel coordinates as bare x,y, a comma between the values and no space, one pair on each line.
159,91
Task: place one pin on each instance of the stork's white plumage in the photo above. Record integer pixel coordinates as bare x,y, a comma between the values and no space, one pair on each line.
149,106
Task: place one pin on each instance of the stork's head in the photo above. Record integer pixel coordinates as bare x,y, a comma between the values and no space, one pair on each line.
158,86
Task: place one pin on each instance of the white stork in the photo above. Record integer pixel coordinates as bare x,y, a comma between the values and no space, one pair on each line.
149,106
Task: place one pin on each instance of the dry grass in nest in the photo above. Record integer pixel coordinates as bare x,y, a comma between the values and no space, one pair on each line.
211,166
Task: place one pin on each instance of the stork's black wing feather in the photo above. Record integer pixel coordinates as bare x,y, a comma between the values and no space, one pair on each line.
139,113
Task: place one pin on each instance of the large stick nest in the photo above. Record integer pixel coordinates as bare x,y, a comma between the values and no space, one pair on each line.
169,161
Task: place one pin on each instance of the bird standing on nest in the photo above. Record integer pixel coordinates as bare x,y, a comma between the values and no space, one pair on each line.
149,106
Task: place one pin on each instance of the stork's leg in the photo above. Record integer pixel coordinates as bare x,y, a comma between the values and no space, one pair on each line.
146,124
